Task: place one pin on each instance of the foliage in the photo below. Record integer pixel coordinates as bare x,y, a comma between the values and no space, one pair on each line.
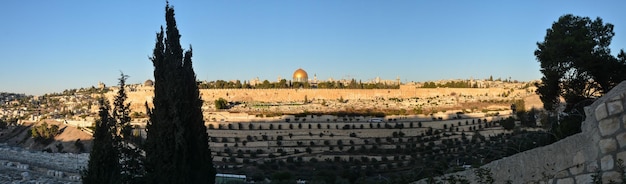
176,147
576,61
221,103
43,133
113,140
103,166
3,124
59,147
283,83
454,179
508,123
484,176
131,160
577,65
451,84
568,125
79,145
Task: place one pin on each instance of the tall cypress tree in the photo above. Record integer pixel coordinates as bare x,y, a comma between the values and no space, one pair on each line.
103,166
177,149
131,160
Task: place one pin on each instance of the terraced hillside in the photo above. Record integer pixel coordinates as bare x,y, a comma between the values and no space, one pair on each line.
331,149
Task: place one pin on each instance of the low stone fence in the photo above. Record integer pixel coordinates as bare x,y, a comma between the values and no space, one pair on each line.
596,152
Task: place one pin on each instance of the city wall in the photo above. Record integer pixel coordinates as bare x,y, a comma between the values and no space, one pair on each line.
576,159
297,95
140,96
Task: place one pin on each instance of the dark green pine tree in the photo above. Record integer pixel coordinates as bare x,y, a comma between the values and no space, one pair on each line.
177,149
131,160
103,166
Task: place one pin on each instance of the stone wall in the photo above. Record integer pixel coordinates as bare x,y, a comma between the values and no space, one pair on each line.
138,98
593,152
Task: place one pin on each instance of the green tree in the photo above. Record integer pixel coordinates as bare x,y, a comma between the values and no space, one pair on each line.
177,149
221,103
508,123
577,65
131,160
44,134
103,166
576,51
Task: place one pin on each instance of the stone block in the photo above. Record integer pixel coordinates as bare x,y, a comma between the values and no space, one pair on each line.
601,112
579,158
608,126
607,145
612,176
584,178
621,156
616,98
615,107
562,174
621,139
565,181
624,121
607,163
592,167
577,169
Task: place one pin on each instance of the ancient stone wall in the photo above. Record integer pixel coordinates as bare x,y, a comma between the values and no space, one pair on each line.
139,97
576,159
296,95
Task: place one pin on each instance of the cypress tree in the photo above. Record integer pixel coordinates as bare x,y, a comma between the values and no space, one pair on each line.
103,166
131,163
177,149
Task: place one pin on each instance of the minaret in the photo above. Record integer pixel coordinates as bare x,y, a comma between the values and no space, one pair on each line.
398,80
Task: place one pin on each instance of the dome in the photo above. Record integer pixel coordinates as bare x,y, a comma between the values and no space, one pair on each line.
148,83
300,76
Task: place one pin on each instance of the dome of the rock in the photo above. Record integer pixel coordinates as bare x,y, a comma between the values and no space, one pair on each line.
148,83
300,76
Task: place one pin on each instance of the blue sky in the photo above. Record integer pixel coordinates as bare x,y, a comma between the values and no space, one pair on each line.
49,46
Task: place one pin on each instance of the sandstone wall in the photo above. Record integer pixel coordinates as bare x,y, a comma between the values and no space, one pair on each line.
137,97
297,95
576,159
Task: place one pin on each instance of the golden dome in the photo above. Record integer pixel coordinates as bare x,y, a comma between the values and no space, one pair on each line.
148,83
300,76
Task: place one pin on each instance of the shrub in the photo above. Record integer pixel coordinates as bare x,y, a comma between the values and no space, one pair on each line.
79,145
221,103
43,133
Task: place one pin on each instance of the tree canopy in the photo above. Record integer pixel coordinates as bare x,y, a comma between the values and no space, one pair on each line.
114,158
177,149
576,61
103,166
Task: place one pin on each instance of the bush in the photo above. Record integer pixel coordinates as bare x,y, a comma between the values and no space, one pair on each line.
79,145
59,147
43,133
508,124
221,103
3,124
